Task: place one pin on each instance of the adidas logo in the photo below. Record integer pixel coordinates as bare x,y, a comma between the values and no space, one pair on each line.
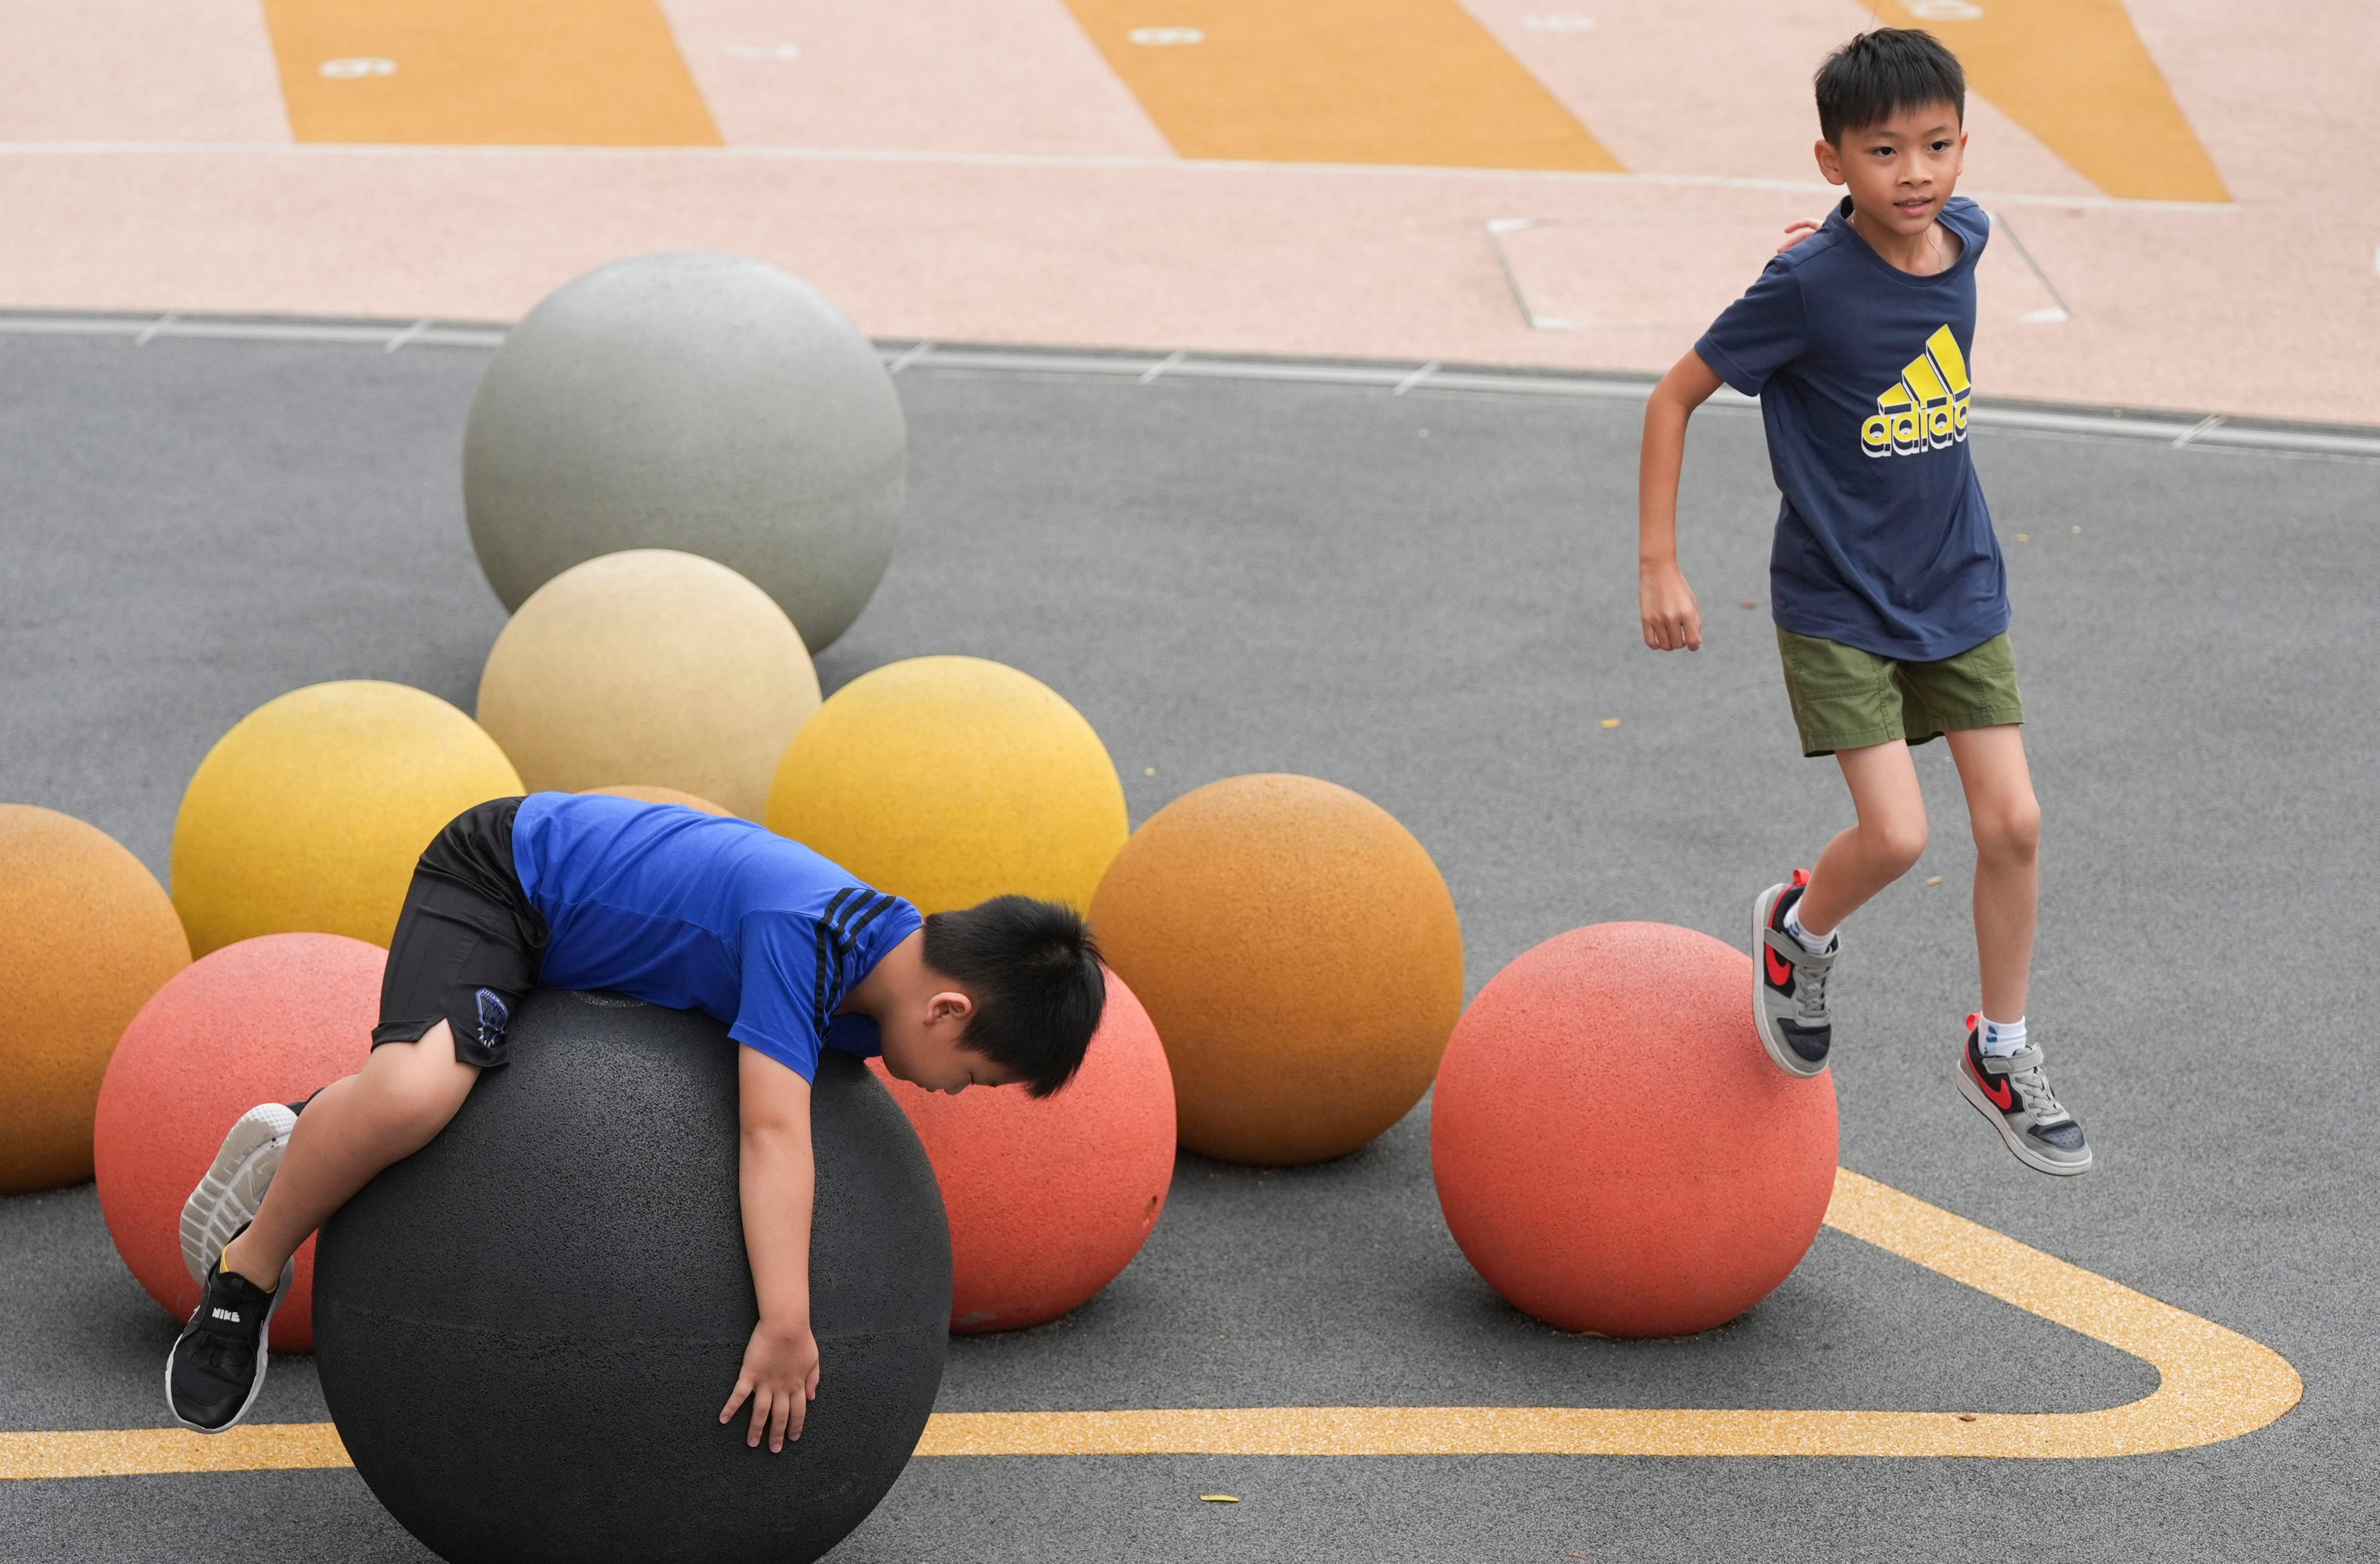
231,1315
1926,410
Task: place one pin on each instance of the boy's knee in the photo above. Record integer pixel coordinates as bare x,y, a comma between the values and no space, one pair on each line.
416,1091
2010,830
1899,842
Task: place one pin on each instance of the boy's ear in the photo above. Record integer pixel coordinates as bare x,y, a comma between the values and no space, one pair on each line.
950,1005
1830,160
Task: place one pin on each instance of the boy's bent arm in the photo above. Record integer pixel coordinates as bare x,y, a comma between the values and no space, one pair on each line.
1671,618
779,1184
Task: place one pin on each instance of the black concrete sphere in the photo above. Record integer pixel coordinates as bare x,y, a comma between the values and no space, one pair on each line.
526,1331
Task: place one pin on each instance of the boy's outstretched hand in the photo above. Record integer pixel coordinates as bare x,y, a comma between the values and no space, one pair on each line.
781,1375
1673,621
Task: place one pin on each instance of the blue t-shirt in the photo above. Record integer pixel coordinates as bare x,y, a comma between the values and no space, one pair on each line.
697,912
1883,540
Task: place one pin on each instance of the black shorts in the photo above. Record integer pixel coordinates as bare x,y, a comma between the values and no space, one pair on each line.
467,944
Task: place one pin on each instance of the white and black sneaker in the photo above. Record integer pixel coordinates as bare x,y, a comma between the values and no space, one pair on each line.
1789,984
216,1369
226,1199
2011,1092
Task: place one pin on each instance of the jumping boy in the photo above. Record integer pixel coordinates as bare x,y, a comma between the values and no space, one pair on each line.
1886,581
677,908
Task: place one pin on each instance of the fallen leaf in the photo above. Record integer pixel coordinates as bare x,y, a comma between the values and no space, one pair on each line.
1746,603
1936,880
2078,530
1149,771
1611,722
2025,537
1219,1498
1966,1417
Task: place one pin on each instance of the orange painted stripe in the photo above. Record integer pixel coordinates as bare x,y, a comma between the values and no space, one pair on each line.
496,72
2075,74
2213,1384
1360,82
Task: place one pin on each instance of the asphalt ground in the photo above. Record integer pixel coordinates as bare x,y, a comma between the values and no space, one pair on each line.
1429,599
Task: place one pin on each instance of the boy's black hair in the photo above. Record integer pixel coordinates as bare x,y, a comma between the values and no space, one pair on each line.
1880,73
1034,971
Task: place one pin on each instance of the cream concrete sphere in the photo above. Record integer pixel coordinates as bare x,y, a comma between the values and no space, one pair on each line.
690,401
949,779
652,665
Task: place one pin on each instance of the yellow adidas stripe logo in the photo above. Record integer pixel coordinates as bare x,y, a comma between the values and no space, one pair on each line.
1926,409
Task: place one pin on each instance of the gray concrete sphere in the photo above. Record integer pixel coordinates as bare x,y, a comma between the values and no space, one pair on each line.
691,401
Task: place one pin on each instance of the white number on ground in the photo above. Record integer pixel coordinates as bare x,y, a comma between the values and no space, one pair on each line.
1159,37
1946,10
349,70
1563,21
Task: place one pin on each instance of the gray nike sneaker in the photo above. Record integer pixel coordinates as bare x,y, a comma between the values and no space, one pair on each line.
226,1199
1789,985
2014,1096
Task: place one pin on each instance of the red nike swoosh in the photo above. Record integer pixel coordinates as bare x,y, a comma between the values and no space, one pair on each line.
1779,972
2003,1097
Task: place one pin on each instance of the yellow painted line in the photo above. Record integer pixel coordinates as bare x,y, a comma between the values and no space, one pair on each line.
2214,1385
1352,82
2075,74
494,72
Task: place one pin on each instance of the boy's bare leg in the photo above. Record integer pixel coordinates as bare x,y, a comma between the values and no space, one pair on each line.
353,1128
2008,860
1885,844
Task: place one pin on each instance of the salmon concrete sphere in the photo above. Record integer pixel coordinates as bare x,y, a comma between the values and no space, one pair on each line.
1049,1198
1614,1152
1300,956
86,936
690,401
309,814
652,665
644,794
947,780
270,1019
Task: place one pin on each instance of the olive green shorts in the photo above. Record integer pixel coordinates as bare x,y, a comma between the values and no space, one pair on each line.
1846,698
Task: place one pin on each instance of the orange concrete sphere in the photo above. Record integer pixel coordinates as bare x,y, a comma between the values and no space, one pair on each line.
1050,1199
273,1019
86,936
1300,955
1614,1152
643,795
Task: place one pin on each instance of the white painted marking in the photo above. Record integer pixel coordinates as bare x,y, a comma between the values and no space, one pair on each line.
916,352
2207,425
1416,378
1165,37
358,66
1562,21
1946,10
1160,366
411,334
762,52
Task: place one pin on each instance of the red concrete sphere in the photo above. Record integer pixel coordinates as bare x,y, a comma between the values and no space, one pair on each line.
1614,1152
1050,1199
273,1019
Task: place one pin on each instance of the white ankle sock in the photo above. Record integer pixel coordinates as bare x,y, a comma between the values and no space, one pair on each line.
2000,1037
1806,940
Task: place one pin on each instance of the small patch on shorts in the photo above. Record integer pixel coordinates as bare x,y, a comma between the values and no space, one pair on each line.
494,1016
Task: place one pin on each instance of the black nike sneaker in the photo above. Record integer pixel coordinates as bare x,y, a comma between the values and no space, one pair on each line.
1789,984
216,1369
2013,1094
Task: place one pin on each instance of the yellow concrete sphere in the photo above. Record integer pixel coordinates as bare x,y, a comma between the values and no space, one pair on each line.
86,936
1300,955
644,794
653,664
309,814
947,780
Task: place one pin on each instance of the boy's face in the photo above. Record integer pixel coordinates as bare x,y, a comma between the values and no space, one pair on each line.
1901,172
924,1043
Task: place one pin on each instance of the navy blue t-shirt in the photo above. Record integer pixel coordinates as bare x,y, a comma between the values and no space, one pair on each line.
697,912
1883,542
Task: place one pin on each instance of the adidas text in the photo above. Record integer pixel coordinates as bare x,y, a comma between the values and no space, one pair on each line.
1926,409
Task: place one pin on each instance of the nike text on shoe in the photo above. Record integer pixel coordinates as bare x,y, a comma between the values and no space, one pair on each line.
216,1369
226,1199
1789,985
2014,1096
